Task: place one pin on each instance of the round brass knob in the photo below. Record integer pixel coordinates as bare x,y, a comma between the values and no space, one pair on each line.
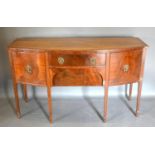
61,60
93,61
28,69
126,68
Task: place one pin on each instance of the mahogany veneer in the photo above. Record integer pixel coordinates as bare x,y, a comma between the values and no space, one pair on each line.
77,62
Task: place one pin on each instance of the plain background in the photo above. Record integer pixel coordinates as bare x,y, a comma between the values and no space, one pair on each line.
7,35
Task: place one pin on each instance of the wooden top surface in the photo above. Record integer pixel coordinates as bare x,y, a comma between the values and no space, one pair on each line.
85,43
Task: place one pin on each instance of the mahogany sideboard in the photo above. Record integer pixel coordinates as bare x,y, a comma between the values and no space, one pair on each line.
87,61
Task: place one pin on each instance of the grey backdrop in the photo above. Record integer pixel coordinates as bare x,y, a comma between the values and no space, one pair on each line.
7,35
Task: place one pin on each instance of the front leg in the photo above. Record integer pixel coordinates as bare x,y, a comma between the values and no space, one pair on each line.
138,97
49,103
105,102
15,86
49,84
106,86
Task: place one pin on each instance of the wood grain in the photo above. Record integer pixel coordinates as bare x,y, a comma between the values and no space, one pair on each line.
106,86
140,82
85,61
81,43
118,61
49,85
15,86
76,58
36,61
77,77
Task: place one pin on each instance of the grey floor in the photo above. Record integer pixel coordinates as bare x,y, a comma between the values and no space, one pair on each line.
78,112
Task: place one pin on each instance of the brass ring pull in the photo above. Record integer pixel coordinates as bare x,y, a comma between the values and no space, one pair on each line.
126,68
28,69
93,61
61,60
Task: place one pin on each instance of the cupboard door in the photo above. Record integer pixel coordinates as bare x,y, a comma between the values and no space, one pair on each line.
29,67
125,67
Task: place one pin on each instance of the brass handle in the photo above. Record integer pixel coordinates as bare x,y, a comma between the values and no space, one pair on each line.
61,60
28,69
126,68
93,61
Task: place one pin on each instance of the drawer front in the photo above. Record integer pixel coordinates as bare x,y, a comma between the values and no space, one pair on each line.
29,67
125,67
28,56
60,59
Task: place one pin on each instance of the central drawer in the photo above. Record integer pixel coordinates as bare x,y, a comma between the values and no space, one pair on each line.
69,58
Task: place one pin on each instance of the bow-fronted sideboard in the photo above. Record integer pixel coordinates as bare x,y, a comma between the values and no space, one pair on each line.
87,61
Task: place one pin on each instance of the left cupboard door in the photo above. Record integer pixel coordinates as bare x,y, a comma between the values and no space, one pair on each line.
29,66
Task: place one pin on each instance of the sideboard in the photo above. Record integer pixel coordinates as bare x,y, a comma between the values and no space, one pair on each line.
87,61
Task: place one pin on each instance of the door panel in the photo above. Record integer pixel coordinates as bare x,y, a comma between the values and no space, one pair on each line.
29,67
125,67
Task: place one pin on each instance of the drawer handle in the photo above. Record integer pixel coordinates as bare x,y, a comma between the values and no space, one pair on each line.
28,69
126,68
61,60
93,61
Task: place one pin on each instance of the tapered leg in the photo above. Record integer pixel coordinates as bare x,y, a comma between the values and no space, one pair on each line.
130,91
17,100
105,103
106,86
49,85
49,103
138,97
128,96
25,92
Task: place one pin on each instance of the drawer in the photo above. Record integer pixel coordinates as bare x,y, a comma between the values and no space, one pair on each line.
29,67
125,67
28,56
76,59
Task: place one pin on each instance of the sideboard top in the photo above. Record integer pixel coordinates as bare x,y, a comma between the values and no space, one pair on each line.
79,43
